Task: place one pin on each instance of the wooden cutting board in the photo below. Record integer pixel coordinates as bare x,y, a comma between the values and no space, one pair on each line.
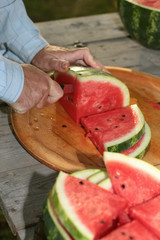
51,136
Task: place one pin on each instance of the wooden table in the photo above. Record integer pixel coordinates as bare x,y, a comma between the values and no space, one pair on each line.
24,182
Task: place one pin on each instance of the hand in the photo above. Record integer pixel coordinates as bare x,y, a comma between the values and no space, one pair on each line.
38,90
59,59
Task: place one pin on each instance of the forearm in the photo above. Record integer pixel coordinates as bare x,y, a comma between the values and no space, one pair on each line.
19,33
11,80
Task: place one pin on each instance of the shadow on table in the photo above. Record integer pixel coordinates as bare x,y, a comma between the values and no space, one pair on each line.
39,187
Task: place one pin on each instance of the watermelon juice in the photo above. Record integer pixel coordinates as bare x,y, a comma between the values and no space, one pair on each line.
149,3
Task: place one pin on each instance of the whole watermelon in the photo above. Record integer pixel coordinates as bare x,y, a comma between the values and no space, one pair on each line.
141,21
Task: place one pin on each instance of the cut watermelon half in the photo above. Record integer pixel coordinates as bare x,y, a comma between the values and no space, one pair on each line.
76,201
135,180
139,149
148,214
131,231
95,91
115,130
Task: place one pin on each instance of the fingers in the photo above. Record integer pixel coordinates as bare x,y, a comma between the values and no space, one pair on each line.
55,92
58,65
84,57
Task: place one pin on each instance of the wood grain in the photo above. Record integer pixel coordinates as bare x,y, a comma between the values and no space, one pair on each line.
52,137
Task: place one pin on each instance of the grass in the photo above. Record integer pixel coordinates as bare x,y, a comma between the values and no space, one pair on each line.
5,232
46,10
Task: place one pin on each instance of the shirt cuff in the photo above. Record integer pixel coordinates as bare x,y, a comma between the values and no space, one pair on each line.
12,80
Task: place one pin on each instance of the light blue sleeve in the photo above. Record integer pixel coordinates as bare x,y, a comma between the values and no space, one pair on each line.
20,40
18,33
11,80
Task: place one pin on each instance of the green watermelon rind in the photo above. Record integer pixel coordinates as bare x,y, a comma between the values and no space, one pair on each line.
98,177
85,174
105,184
70,221
129,139
53,229
143,148
85,74
142,22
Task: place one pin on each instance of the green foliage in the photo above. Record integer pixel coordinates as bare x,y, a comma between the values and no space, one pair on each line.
45,10
5,233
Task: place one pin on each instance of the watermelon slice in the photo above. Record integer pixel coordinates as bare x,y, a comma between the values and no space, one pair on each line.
115,130
148,213
94,92
133,179
85,174
139,149
76,201
98,176
106,184
54,229
131,231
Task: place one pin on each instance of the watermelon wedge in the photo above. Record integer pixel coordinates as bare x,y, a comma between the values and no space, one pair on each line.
94,92
98,176
75,202
131,231
130,175
54,229
148,214
85,174
139,149
115,130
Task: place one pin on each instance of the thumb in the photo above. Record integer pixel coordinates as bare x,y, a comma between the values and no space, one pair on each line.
55,92
59,65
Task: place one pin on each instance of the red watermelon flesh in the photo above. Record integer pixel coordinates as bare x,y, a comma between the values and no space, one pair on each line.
133,179
131,231
148,214
84,197
112,125
92,92
149,3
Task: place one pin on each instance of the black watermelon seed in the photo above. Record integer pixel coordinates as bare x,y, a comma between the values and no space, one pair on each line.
103,222
115,127
123,115
64,126
82,126
123,186
81,182
96,129
131,237
69,99
100,107
158,102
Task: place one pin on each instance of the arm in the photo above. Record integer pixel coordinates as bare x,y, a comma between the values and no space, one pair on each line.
17,32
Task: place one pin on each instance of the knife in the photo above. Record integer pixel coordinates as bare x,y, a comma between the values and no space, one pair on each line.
67,88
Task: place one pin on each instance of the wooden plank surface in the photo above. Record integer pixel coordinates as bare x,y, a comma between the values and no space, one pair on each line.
106,37
24,182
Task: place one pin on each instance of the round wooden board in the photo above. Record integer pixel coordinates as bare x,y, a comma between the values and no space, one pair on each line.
51,136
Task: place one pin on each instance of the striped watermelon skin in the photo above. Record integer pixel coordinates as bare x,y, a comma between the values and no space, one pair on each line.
142,23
